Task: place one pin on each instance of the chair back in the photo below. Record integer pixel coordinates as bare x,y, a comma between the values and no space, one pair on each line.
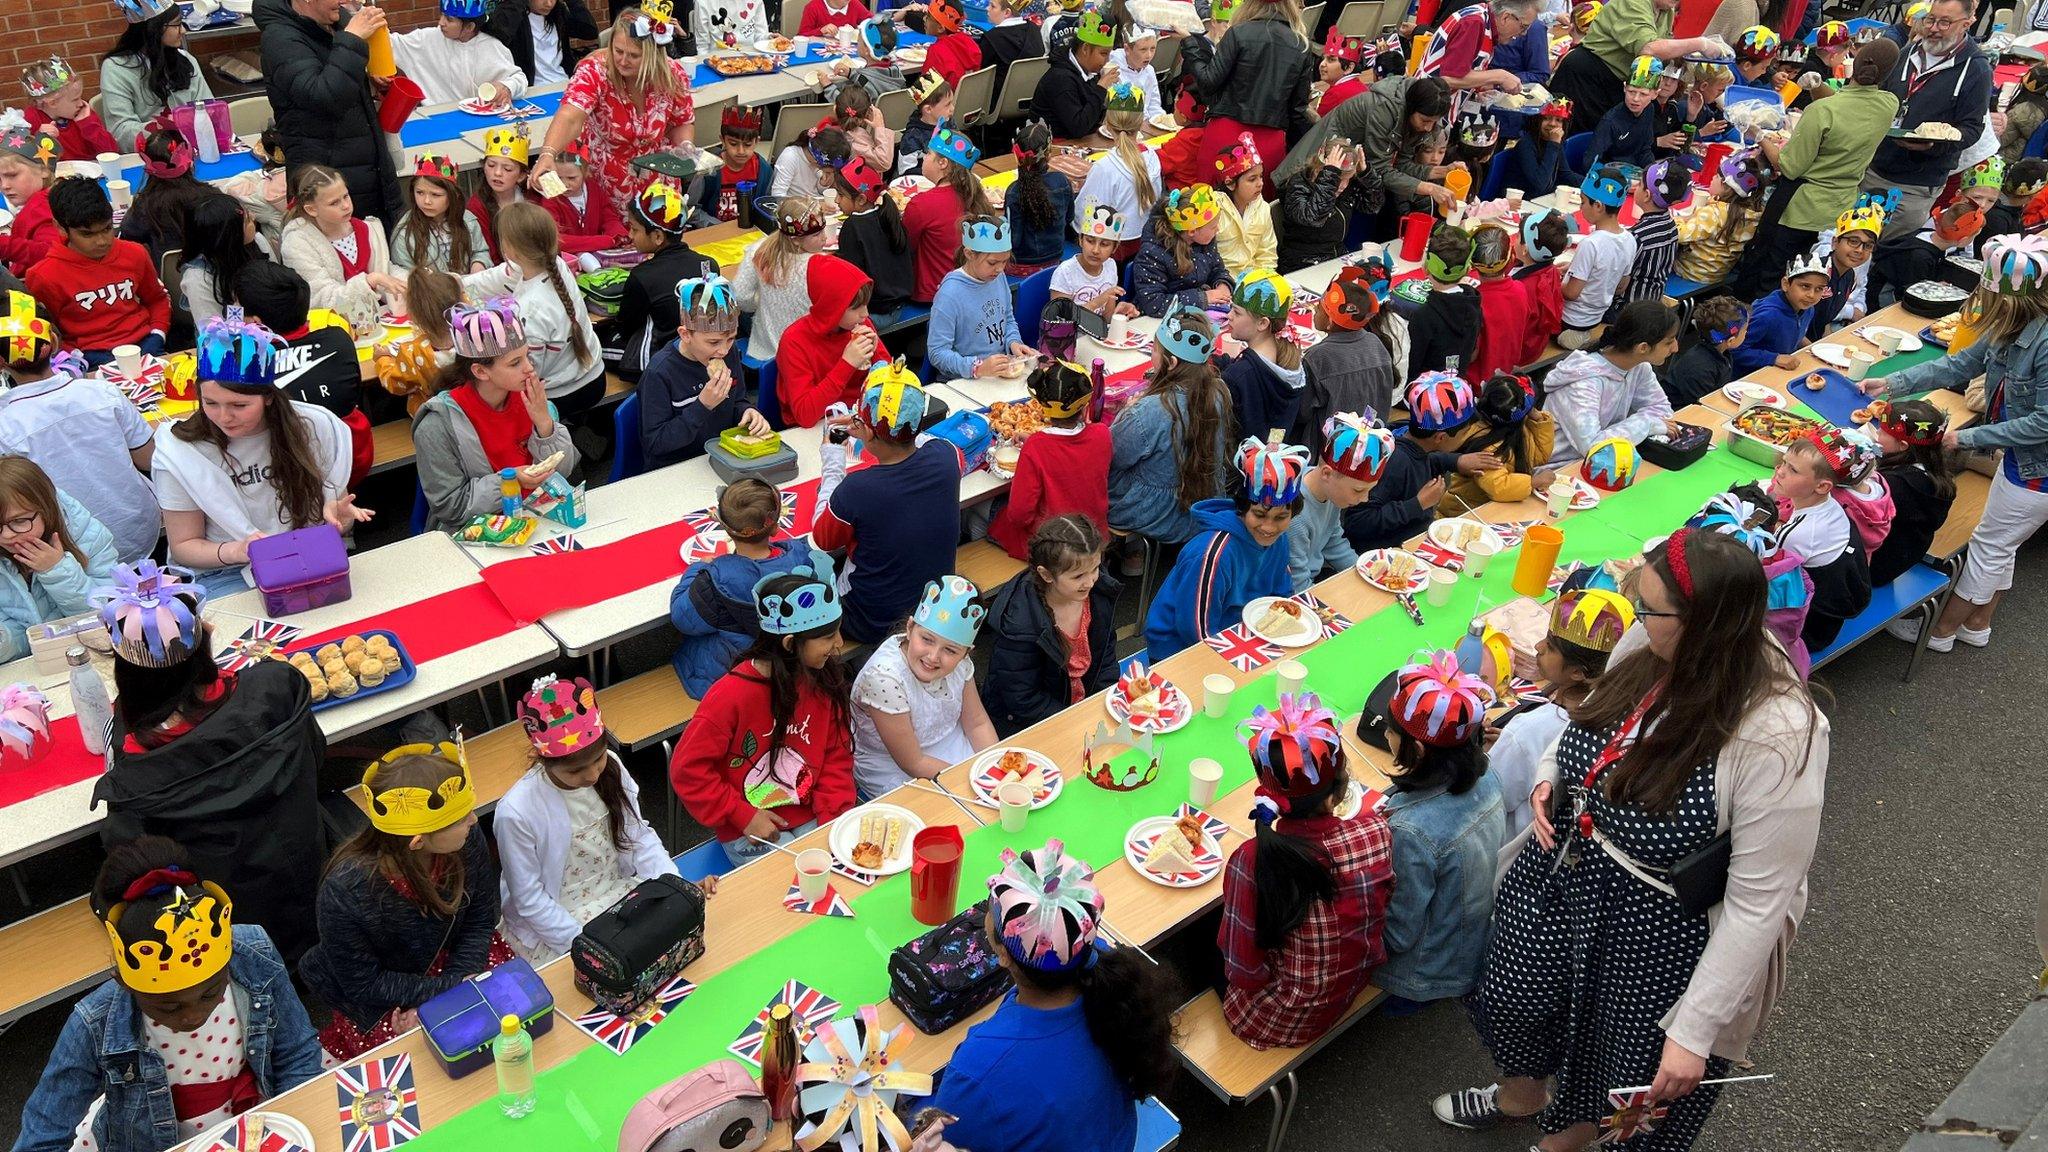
249,115
974,97
626,458
1575,149
1033,292
791,122
167,271
1362,18
1018,87
896,107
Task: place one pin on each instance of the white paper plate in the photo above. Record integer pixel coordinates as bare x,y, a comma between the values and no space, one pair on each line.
984,778
1743,394
1445,534
1835,355
769,48
846,834
1311,629
1175,710
1143,834
1584,495
1422,569
1907,341
913,55
1164,122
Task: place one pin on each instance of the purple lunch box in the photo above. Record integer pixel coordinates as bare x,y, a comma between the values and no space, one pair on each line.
461,1022
301,570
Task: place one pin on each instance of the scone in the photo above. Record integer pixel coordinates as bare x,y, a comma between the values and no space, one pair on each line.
355,661
319,688
343,685
328,653
391,663
351,644
372,675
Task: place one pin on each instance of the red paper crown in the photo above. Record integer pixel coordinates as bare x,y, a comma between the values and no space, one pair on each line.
736,121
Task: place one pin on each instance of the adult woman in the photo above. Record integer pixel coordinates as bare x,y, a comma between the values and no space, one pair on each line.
541,35
1590,74
2011,353
228,761
147,71
1597,973
623,102
1391,119
56,553
316,71
1820,167
1732,17
1254,77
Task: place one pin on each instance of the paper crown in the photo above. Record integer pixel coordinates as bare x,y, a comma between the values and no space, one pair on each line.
1806,264
1591,618
878,33
1611,464
1833,34
1492,249
1583,13
2016,265
1488,656
1986,173
1862,218
1348,49
812,603
1238,159
1357,446
1263,293
1958,222
706,304
1919,9
1606,184
24,725
1059,332
507,142
655,21
738,121
143,11
152,613
1120,759
951,610
1124,97
985,234
946,15
1557,108
414,811
1744,171
928,86
955,146
1349,303
1192,207
1478,131
1439,401
662,207
435,166
1439,703
1915,422
465,9
177,155
1061,389
1223,11
1532,244
38,145
893,399
2023,185
488,330
45,77
1756,43
237,352
1272,472
1749,523
1851,457
861,180
561,717
1101,220
1646,72
1097,29
1047,907
1668,182
26,337
1180,335
1295,748
850,1085
798,217
187,944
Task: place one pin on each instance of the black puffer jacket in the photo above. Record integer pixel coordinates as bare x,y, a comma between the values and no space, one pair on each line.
1027,671
318,80
1258,75
571,19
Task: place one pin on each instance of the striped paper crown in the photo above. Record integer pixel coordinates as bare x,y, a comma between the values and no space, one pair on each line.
24,724
187,944
413,811
706,305
237,352
1046,907
2016,265
1439,401
1272,472
1357,446
1439,703
1294,747
488,330
152,613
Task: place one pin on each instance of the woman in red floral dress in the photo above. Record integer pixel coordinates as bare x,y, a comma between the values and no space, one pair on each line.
624,102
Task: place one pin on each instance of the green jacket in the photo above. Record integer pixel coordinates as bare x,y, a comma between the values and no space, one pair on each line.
1621,30
127,103
1830,151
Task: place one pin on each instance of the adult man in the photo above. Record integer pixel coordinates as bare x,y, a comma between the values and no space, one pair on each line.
1461,50
317,72
1942,78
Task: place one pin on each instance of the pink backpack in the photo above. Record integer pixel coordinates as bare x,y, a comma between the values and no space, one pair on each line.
717,1108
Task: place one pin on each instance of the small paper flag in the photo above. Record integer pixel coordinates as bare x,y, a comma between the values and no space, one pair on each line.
263,640
807,1005
1245,651
379,1104
620,1033
832,904
1634,1115
566,542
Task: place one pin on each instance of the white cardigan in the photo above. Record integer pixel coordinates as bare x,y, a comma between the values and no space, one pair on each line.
304,249
533,849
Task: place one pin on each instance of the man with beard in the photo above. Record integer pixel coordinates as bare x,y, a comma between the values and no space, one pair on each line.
1942,78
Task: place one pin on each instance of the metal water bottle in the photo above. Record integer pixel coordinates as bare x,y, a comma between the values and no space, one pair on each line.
778,1063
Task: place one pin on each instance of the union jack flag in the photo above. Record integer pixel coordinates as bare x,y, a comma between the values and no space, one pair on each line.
1246,652
1464,18
1333,621
235,1138
263,640
1634,1114
379,1105
566,542
864,879
807,1005
620,1033
1511,532
833,904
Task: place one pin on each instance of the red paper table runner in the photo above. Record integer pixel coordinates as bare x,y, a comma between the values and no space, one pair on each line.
434,627
67,762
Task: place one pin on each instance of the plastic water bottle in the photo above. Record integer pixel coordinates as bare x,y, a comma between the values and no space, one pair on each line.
512,1054
89,701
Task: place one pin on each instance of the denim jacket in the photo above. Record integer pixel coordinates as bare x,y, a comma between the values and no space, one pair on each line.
2021,366
102,1052
1445,853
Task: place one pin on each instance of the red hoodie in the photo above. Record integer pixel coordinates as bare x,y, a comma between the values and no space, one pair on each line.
722,769
81,139
594,229
1505,303
811,372
954,55
31,237
101,304
1546,309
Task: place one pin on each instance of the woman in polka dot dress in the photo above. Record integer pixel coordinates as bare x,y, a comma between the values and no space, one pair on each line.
1596,975
162,1053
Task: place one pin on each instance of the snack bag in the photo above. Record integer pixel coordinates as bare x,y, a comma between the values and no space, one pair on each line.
498,531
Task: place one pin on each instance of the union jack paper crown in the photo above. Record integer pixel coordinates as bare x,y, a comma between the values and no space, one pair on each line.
1272,472
1591,618
45,77
1102,221
950,608
152,613
1295,746
2016,265
1611,464
1439,401
1263,293
488,330
187,944
1357,446
812,604
561,717
237,352
1047,907
706,304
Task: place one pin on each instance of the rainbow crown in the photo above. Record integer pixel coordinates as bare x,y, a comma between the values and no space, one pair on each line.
152,613
706,304
143,11
1097,29
1181,338
1294,747
955,146
1102,221
812,604
24,724
2016,265
1272,472
1125,97
237,352
1263,293
985,234
1047,908
662,207
1646,72
1862,218
435,166
26,337
1756,43
507,141
413,811
488,330
1357,446
190,941
1806,264
1192,207
1439,401
471,10
561,718
1591,618
951,610
46,77
893,399
1611,464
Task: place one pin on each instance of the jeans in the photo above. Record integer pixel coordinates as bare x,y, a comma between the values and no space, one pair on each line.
220,582
744,851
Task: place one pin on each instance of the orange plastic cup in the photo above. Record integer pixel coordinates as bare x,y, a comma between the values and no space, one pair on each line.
382,63
1540,546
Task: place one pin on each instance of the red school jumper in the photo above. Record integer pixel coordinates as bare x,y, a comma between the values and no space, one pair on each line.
1059,471
594,229
723,771
101,304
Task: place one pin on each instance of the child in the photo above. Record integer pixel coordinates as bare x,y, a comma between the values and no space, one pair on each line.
1088,277
1244,227
1627,134
1585,625
1346,70
439,232
1133,64
916,711
1178,262
713,603
824,356
1902,261
1545,236
412,368
1599,269
454,59
933,217
855,113
1818,530
956,52
491,414
1128,179
57,101
802,167
1354,454
1517,434
1539,158
586,219
409,906
102,292
1039,204
934,105
570,834
188,1024
1350,369
1169,446
1863,493
1317,202
769,753
220,241
314,365
1239,555
1778,323
1502,300
1061,470
654,224
506,161
1010,37
820,18
872,238
2023,180
1849,258
1611,388
1413,482
53,554
877,70
87,436
888,510
1477,137
1265,378
565,349
1444,811
773,273
739,173
1055,628
1305,899
156,220
1721,324
1667,115
343,259
1748,514
1917,473
1714,231
1443,335
692,391
1665,185
25,161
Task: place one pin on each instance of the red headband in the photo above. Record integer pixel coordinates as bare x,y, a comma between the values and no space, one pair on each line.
159,878
1674,553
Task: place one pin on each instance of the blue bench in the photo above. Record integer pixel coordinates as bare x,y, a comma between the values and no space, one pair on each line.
1158,1127
1920,591
1679,288
706,859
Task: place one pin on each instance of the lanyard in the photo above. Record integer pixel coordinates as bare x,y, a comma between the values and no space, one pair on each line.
1916,77
1614,751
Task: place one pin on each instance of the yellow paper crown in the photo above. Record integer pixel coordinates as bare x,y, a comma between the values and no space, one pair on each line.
508,141
1191,207
1591,618
194,939
1862,218
894,372
418,811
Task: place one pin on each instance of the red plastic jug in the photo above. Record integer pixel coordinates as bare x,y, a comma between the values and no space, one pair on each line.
935,873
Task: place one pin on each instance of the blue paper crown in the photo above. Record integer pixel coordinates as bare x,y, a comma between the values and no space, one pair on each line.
955,146
871,34
1190,344
989,234
814,604
891,404
238,353
1272,472
951,610
1605,185
1530,244
1439,401
465,9
143,11
1730,515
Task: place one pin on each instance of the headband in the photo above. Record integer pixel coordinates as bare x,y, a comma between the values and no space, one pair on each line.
1674,554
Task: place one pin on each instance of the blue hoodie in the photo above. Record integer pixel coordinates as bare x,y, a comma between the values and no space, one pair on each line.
1265,395
971,319
1774,330
713,607
1219,572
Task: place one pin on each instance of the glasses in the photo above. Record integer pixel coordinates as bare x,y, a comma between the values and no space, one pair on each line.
1859,241
21,524
1644,610
1944,22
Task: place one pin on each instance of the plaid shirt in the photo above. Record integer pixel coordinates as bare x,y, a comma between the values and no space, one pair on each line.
1291,996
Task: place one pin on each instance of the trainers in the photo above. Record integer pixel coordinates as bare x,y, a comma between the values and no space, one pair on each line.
1974,637
1909,631
1470,1108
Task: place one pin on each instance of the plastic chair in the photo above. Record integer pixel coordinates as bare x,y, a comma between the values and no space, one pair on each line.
1497,175
1158,1127
1575,149
1019,84
626,457
419,509
764,394
1032,295
974,97
709,859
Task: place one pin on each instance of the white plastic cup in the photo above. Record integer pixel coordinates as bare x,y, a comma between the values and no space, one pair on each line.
1204,777
1014,798
1560,498
1477,555
1514,199
1441,582
1216,690
1293,675
1859,365
813,873
128,358
119,193
109,161
1888,342
1119,329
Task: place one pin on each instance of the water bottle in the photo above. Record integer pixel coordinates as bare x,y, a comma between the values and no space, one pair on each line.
512,1054
89,701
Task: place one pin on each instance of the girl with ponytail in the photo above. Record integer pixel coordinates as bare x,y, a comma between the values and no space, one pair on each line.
1303,900
558,331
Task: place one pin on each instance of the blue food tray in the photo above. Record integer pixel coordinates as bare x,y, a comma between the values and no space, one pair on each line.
1835,402
1927,334
399,679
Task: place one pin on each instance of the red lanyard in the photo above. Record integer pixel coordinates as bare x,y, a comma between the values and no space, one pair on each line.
1613,752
